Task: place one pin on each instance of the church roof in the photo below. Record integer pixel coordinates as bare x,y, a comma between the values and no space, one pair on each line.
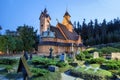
58,34
45,14
66,14
70,35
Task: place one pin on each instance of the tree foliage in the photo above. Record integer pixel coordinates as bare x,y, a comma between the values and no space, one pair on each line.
7,43
27,36
94,33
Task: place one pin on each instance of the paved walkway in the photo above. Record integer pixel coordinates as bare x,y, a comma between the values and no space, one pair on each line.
68,77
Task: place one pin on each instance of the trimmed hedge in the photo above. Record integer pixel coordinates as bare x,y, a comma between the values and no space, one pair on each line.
95,61
61,64
80,56
49,76
44,61
39,72
90,74
111,65
7,61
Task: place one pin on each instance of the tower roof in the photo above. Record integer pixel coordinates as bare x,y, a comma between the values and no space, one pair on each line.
45,10
66,14
45,14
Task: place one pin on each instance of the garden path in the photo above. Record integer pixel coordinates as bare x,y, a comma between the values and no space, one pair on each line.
66,76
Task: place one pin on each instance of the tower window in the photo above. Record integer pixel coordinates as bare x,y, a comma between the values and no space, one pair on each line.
42,25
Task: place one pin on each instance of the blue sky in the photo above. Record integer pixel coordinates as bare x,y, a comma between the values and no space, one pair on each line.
15,13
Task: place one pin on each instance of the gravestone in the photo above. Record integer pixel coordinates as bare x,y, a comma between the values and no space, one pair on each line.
53,68
95,55
63,57
51,54
115,55
24,68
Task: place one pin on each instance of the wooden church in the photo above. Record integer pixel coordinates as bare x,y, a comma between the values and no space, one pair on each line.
61,38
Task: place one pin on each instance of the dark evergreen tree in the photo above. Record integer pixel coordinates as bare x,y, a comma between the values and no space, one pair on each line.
95,33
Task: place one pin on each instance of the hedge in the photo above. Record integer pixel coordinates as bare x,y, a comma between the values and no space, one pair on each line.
91,75
6,61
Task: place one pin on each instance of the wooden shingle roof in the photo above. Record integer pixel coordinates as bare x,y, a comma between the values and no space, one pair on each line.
58,34
70,35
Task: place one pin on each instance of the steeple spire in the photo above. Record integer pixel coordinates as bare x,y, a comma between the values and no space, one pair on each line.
45,10
66,14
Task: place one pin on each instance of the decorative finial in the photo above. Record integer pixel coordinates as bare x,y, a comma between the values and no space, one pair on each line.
67,8
57,20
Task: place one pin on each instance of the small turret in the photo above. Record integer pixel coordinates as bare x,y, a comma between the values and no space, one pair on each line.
66,21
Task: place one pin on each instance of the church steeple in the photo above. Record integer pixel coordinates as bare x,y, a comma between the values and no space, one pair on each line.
45,10
66,21
44,21
67,14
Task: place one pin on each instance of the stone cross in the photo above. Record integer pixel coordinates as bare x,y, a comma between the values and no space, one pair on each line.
51,50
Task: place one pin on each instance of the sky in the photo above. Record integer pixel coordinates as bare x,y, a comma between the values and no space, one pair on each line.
14,13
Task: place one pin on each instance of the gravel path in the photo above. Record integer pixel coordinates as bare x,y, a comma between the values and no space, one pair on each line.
68,77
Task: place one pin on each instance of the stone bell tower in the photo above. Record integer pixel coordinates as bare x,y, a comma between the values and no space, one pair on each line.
44,21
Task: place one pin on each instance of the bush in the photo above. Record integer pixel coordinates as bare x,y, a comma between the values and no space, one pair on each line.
90,74
6,61
80,56
111,65
44,61
61,64
8,68
108,50
49,76
95,61
39,72
87,55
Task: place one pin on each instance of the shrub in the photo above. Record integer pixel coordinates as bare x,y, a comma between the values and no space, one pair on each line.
111,65
49,76
95,61
8,68
118,73
108,50
61,64
87,55
90,74
6,61
39,72
44,61
80,56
